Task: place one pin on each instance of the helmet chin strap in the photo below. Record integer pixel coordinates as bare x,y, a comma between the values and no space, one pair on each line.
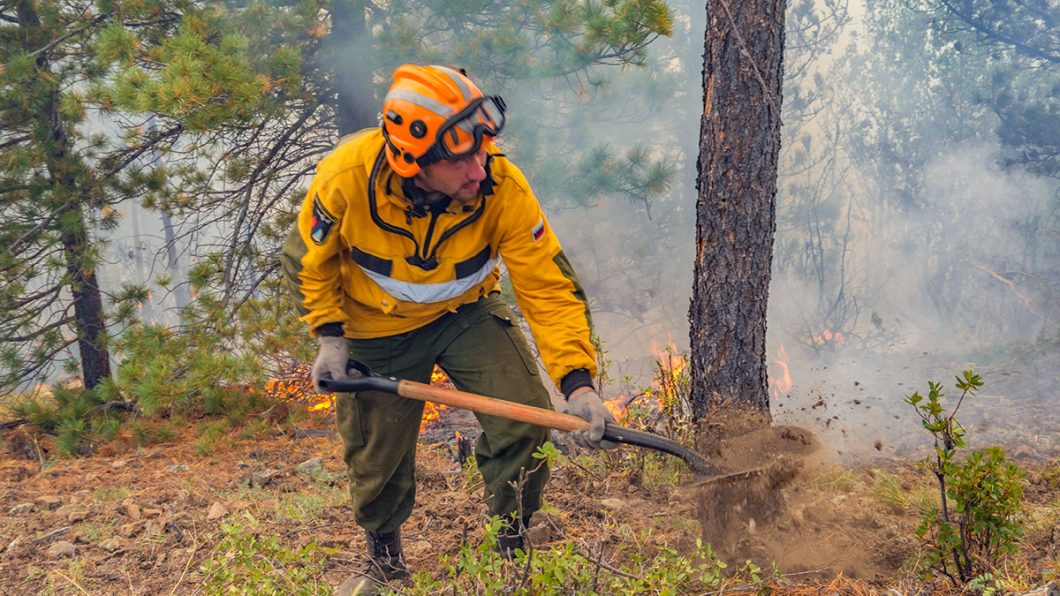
420,197
423,198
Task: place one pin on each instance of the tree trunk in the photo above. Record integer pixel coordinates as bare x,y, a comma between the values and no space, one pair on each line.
89,322
350,56
88,304
735,211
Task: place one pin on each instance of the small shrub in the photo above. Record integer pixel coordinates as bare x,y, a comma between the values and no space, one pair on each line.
209,434
977,521
246,561
664,408
64,413
479,569
1050,477
145,432
106,426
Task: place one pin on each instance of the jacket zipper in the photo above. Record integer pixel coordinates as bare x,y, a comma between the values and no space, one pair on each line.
427,239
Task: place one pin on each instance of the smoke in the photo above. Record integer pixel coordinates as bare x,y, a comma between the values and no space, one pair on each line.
890,270
939,290
903,252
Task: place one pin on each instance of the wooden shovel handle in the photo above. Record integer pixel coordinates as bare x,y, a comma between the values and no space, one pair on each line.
458,399
491,406
512,411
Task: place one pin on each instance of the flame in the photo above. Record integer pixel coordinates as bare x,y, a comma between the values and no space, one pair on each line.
297,386
784,383
671,365
827,336
618,408
668,357
439,378
431,410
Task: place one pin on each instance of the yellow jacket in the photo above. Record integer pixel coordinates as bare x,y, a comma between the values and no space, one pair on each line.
362,256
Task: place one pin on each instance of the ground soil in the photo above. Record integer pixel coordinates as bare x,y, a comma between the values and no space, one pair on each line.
769,509
142,520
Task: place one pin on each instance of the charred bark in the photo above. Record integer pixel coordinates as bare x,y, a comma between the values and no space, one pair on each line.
735,210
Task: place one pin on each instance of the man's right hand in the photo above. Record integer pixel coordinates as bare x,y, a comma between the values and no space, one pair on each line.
333,358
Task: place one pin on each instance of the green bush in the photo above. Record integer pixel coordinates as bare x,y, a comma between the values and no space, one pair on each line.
167,371
479,569
977,522
66,413
246,561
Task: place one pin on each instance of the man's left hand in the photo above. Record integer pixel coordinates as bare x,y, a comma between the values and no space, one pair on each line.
585,403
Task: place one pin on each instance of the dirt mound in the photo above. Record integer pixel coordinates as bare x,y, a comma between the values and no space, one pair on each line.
766,509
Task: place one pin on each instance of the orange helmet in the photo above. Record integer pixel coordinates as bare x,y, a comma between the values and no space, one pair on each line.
433,113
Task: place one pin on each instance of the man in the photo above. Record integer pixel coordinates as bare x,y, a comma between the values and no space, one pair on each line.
395,261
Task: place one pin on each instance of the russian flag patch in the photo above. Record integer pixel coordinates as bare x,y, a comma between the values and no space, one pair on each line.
539,230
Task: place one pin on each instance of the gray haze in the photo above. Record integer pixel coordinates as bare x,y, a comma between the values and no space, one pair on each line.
919,284
924,266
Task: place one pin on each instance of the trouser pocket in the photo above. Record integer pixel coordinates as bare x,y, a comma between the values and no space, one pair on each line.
348,419
504,316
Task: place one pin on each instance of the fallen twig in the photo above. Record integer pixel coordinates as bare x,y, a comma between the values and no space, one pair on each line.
730,476
191,557
71,580
759,584
52,534
600,563
118,404
17,422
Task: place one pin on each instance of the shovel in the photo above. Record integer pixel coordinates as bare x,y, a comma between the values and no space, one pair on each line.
512,411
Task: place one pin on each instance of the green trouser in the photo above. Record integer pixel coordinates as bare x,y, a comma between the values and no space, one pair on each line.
482,351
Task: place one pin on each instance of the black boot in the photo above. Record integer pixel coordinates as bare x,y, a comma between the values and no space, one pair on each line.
385,563
513,537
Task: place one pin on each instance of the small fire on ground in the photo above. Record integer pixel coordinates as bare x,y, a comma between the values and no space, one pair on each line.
431,410
827,337
297,386
782,383
669,387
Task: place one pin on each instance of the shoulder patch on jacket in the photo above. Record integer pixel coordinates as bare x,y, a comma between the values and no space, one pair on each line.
539,230
322,222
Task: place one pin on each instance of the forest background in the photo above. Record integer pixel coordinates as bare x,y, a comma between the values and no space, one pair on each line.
159,150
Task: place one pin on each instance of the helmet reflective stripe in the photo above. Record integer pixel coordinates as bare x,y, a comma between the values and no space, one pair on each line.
421,100
458,80
430,293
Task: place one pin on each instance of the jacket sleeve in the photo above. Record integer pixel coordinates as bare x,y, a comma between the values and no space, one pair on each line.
311,255
546,288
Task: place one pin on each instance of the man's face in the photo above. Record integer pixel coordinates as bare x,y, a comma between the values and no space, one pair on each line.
459,178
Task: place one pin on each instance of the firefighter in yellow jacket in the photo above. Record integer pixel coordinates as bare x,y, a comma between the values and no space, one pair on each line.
395,260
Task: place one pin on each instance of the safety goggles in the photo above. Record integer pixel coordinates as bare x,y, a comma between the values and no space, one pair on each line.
462,133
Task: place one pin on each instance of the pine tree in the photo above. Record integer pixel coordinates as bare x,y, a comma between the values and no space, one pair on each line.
69,163
735,213
51,196
215,114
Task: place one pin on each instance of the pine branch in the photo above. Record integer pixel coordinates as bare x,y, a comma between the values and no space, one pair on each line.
62,38
997,36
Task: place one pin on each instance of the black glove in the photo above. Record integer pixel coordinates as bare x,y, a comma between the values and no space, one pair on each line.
586,403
